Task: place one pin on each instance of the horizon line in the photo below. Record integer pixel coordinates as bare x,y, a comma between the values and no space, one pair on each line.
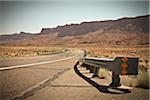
130,17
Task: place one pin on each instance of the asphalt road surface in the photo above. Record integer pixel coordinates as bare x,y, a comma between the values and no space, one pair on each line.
33,73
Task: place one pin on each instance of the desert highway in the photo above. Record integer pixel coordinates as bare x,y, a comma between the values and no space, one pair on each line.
58,77
20,75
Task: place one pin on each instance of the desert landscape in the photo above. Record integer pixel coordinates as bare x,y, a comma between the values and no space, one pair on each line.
110,38
125,37
74,50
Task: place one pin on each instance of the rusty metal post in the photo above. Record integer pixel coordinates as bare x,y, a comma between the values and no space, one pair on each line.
115,80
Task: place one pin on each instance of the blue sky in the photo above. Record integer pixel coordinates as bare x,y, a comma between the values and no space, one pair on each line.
32,16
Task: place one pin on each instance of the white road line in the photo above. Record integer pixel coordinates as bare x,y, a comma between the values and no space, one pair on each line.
39,63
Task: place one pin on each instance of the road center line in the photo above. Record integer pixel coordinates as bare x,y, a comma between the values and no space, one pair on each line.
32,64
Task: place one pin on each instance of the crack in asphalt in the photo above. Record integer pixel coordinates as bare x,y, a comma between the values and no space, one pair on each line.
32,90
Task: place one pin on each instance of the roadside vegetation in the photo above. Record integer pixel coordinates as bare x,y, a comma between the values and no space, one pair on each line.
109,52
20,51
143,77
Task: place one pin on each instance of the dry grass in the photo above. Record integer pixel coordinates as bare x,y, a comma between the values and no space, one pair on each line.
17,51
103,73
142,52
143,77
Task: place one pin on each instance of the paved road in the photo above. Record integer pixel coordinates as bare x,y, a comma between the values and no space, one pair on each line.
18,81
69,86
5,62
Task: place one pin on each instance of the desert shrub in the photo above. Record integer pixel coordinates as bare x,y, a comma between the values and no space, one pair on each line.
143,77
103,73
15,51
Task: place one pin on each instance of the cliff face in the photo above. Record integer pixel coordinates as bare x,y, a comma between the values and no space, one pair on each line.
125,25
123,31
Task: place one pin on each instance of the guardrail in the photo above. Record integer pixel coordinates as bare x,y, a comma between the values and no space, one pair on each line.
118,66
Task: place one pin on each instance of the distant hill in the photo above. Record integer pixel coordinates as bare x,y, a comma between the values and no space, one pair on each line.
124,31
